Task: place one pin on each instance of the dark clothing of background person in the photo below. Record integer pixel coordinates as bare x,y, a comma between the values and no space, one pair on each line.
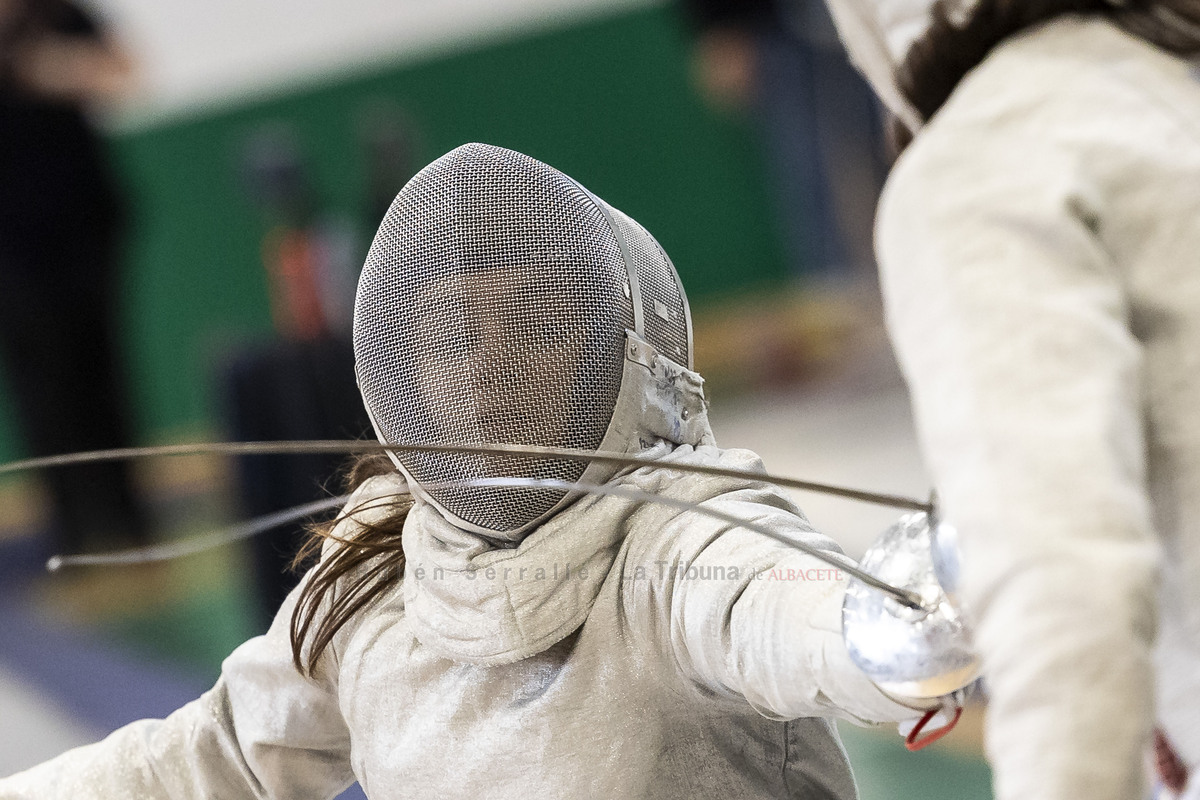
285,390
300,383
60,230
816,121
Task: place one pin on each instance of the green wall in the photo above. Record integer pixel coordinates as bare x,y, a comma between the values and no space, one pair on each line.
609,102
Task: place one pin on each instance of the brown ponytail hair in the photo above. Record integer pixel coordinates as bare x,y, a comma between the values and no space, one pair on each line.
354,574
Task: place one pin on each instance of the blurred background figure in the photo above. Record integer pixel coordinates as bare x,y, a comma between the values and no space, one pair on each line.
778,66
391,152
816,120
298,384
61,224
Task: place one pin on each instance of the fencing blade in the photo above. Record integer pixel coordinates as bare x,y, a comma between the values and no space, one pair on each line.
350,446
207,541
196,544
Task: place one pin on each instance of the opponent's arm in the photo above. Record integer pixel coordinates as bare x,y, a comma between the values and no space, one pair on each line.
1012,321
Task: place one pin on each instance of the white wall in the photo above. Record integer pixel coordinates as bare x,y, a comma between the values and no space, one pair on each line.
195,52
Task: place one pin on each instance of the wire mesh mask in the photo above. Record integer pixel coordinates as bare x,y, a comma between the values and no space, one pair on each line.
494,307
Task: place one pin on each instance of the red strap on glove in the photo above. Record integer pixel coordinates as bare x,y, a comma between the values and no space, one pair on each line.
915,741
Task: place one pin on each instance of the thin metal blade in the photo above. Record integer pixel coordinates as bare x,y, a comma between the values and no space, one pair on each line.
510,450
197,544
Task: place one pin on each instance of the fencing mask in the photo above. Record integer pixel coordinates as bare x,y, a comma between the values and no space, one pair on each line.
496,305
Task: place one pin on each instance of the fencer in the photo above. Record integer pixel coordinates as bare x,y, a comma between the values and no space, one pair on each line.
515,642
1038,245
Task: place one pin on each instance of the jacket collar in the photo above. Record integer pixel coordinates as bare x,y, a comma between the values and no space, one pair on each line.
476,600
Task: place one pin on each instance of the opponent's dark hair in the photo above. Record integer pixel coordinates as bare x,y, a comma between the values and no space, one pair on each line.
952,46
353,573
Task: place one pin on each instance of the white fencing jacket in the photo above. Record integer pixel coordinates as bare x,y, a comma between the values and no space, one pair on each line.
1040,249
621,650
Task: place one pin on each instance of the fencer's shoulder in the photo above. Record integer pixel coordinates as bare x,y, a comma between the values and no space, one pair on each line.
745,461
742,486
738,459
711,455
1070,109
1072,79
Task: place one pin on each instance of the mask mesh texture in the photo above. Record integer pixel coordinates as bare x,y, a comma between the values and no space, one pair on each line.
492,308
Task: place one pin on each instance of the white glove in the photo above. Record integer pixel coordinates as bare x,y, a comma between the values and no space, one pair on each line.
912,655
